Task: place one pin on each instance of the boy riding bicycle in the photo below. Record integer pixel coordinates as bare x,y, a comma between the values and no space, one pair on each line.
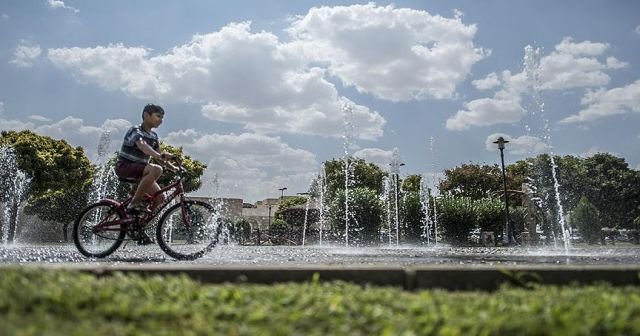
140,144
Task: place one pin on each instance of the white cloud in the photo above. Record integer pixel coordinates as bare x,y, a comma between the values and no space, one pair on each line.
637,30
603,103
247,165
60,4
378,156
25,54
487,83
570,65
39,118
237,76
397,54
575,65
5,16
522,145
504,107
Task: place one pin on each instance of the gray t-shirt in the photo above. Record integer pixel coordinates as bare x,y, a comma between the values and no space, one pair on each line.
130,151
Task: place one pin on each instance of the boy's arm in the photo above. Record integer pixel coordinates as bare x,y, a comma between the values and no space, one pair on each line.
162,157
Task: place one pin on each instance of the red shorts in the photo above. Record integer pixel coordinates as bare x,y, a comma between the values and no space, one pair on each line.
130,169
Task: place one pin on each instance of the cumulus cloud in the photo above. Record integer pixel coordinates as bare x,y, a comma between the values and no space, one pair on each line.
237,76
378,156
39,118
60,4
487,83
25,54
522,145
603,103
248,165
571,65
397,54
73,130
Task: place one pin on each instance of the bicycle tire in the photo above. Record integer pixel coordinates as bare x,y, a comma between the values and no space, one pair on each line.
188,242
89,243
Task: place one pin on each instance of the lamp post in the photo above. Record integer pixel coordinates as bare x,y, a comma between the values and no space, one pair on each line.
510,235
282,192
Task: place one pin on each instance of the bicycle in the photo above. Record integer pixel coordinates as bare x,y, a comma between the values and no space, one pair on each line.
186,230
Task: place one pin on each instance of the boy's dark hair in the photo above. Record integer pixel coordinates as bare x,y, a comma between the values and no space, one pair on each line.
152,108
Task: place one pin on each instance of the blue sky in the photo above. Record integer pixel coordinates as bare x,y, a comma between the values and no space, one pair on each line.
256,89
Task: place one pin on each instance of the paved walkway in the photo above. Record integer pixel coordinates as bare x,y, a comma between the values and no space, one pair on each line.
409,267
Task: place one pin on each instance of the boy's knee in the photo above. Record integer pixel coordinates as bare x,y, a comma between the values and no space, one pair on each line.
155,170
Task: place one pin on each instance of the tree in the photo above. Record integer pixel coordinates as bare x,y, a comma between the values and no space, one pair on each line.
472,180
585,218
365,209
613,188
365,175
293,211
60,175
192,180
457,218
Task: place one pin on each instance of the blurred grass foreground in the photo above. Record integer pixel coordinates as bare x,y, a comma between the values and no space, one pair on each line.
58,302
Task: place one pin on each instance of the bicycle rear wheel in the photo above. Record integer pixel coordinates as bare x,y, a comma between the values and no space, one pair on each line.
93,242
188,230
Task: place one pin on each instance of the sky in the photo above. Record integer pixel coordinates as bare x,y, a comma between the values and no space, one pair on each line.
264,92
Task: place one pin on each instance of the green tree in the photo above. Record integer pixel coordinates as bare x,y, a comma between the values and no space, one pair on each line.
413,216
472,180
457,218
61,175
586,218
293,211
193,179
365,175
366,211
490,215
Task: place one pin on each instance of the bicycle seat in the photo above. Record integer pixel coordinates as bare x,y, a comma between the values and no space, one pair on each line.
131,180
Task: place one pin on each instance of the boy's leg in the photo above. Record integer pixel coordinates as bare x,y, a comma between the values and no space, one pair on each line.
148,183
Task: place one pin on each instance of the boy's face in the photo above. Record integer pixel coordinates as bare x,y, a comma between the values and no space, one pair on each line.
153,119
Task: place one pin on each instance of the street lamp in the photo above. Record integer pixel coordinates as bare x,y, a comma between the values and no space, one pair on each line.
282,192
510,234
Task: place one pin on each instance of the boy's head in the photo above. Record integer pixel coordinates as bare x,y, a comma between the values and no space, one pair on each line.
151,109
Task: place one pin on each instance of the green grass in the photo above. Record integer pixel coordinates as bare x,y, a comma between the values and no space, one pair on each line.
56,302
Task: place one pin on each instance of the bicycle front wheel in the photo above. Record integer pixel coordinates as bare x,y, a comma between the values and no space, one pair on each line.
91,238
188,230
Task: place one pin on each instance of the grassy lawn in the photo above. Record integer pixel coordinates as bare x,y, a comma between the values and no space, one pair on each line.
55,302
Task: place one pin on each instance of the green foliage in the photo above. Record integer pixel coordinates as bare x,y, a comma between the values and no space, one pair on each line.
192,181
278,231
365,175
457,218
413,215
472,180
411,183
366,209
74,303
490,215
293,211
61,175
586,218
240,230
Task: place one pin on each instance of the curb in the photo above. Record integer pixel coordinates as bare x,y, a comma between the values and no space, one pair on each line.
410,278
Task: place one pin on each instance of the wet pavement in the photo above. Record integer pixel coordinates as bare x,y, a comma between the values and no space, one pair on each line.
302,256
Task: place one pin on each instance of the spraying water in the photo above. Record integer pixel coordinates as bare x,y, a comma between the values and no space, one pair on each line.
532,67
105,181
322,192
424,202
395,172
14,184
347,159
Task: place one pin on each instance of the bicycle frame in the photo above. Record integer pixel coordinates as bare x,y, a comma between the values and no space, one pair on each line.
117,225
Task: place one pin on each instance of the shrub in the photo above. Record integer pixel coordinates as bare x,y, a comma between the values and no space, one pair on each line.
585,218
457,218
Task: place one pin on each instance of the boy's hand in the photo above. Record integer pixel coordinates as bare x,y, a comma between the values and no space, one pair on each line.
166,156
